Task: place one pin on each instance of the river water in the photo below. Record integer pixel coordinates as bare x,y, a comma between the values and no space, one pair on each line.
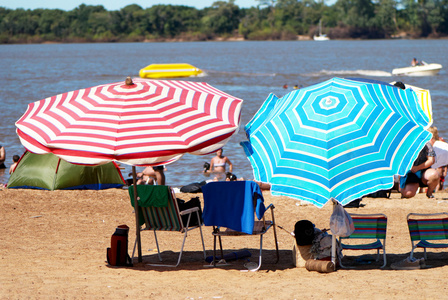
248,70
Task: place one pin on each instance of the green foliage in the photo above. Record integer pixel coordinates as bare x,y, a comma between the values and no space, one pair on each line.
270,19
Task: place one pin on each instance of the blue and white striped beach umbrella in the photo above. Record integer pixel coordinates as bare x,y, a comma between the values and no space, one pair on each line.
340,139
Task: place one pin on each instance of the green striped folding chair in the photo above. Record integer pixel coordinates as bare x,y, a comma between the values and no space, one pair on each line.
160,211
368,227
428,227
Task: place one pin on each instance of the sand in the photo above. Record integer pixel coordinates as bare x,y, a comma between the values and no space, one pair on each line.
53,246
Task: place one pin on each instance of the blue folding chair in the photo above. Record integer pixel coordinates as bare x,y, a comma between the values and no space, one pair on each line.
236,208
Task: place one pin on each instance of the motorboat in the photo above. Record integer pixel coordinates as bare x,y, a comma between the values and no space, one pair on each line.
423,69
169,71
321,37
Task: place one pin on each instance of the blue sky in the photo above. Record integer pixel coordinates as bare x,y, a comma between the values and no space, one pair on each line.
111,4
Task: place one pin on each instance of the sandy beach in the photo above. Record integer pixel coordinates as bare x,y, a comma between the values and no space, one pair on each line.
54,247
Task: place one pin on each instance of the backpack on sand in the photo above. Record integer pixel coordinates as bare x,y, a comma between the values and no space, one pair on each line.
117,254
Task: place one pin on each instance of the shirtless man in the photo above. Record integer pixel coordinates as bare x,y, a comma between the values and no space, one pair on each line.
15,160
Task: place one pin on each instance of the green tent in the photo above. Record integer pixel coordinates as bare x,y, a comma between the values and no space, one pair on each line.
49,172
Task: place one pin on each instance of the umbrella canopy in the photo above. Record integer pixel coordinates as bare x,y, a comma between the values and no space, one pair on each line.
140,123
424,98
339,139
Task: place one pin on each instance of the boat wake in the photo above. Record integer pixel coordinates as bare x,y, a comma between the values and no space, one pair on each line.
373,73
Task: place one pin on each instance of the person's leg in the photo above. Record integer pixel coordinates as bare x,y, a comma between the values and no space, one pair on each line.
409,190
430,178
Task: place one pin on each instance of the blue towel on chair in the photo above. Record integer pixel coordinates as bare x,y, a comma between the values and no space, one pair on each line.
231,205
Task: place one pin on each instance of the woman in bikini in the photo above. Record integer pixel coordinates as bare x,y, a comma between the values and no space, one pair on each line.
218,165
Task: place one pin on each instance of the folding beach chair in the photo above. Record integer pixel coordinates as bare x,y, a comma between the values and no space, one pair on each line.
230,207
424,227
159,211
368,227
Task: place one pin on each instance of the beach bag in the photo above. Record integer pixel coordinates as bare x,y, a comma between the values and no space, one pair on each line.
341,224
117,254
193,202
380,194
195,187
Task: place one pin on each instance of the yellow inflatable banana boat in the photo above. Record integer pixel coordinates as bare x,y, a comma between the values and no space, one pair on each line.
169,71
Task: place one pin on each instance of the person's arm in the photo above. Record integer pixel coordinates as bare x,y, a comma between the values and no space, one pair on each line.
427,164
212,165
149,171
230,165
2,154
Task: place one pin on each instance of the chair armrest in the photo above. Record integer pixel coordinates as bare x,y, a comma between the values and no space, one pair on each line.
271,206
189,211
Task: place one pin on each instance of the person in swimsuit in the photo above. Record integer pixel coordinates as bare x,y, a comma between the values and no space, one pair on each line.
218,165
2,157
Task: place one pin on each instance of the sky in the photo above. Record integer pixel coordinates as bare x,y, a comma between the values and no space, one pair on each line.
112,4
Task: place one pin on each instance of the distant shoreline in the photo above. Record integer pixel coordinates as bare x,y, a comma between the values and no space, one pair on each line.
218,39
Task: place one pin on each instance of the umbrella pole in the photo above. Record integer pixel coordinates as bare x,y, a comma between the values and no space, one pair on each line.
333,243
333,251
136,209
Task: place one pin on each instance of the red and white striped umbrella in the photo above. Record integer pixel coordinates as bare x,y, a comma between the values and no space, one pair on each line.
137,123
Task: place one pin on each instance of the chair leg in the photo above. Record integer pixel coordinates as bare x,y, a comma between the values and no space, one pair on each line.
180,254
384,258
261,254
202,237
412,253
276,244
157,244
220,246
214,251
340,256
275,234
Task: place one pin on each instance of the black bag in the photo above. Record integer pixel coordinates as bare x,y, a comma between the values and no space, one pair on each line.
354,204
195,187
193,202
304,232
380,194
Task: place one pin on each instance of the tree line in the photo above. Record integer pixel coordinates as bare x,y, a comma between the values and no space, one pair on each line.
269,20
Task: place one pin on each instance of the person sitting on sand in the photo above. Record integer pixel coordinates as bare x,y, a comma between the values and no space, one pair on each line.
152,175
421,174
147,176
15,160
231,177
